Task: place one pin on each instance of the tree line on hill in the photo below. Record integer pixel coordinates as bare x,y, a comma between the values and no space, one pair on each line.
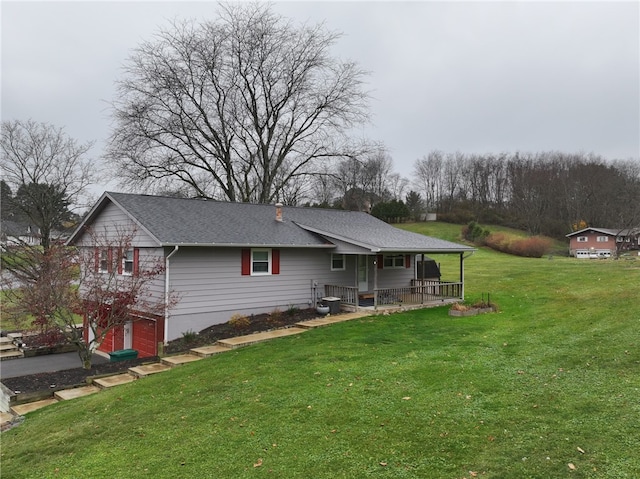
549,193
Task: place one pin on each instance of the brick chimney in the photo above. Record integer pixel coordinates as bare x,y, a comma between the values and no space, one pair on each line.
279,212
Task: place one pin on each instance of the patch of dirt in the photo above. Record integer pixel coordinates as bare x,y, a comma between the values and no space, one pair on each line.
73,377
257,323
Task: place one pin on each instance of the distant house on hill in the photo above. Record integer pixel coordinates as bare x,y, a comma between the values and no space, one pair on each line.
225,258
603,242
13,233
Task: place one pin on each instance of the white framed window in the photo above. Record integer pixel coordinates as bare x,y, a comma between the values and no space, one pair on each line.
260,262
127,262
582,239
602,239
338,262
392,261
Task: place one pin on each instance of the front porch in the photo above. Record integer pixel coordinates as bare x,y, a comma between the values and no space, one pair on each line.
419,294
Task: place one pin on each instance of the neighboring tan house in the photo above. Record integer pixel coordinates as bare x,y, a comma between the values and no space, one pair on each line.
602,242
225,258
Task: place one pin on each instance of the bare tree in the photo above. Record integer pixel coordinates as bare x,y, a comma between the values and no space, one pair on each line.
63,286
48,170
235,108
428,178
452,179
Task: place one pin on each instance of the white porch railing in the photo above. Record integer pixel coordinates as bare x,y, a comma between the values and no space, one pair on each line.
420,292
347,294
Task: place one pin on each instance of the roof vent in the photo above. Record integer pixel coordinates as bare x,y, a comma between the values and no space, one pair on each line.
279,212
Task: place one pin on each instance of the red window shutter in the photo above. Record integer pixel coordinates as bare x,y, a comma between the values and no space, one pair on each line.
407,261
275,261
119,261
96,257
246,262
380,261
136,261
110,260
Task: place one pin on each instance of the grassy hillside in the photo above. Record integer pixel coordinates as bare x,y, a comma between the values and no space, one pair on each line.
551,380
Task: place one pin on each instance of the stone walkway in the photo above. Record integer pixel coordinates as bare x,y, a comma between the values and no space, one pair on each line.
7,420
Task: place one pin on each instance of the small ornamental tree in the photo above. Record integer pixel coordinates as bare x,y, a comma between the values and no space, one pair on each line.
84,293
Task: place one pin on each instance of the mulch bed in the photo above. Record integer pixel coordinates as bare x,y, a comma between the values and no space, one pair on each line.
257,323
69,378
78,376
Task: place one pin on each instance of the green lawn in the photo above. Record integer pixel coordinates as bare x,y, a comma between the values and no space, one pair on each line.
515,394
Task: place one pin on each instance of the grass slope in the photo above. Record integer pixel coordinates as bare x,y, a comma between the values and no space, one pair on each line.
516,394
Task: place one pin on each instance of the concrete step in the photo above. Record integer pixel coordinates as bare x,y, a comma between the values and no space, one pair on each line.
327,320
206,351
115,380
5,340
241,341
4,355
8,347
66,394
148,369
180,359
22,409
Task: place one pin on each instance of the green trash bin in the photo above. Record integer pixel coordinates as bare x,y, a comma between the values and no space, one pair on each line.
123,355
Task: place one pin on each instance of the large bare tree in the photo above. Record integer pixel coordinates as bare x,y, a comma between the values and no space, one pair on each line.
235,108
48,170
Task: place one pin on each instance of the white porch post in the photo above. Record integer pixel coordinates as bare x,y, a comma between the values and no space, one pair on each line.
375,282
462,275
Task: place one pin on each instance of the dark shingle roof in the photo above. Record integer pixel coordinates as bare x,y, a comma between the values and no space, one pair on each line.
172,221
606,231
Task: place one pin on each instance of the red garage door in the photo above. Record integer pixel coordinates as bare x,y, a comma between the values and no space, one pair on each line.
113,340
144,337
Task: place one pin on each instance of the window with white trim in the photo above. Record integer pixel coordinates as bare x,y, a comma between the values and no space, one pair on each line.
392,261
582,239
260,262
602,239
127,262
338,262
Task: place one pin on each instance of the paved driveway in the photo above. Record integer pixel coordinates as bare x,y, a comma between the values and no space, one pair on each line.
44,364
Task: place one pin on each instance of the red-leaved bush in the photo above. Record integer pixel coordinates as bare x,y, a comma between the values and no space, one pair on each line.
532,247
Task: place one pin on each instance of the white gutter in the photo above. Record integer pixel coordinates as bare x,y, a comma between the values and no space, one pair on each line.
166,294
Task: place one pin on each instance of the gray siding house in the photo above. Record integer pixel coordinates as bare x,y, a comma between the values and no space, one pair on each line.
225,258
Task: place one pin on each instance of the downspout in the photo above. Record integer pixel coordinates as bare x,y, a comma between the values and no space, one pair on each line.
166,294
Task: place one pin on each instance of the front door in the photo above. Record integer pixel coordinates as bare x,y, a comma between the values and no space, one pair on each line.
363,274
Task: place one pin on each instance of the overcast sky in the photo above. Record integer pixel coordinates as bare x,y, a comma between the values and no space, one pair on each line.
474,77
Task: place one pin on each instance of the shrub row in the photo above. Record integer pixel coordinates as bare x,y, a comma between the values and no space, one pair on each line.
532,247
